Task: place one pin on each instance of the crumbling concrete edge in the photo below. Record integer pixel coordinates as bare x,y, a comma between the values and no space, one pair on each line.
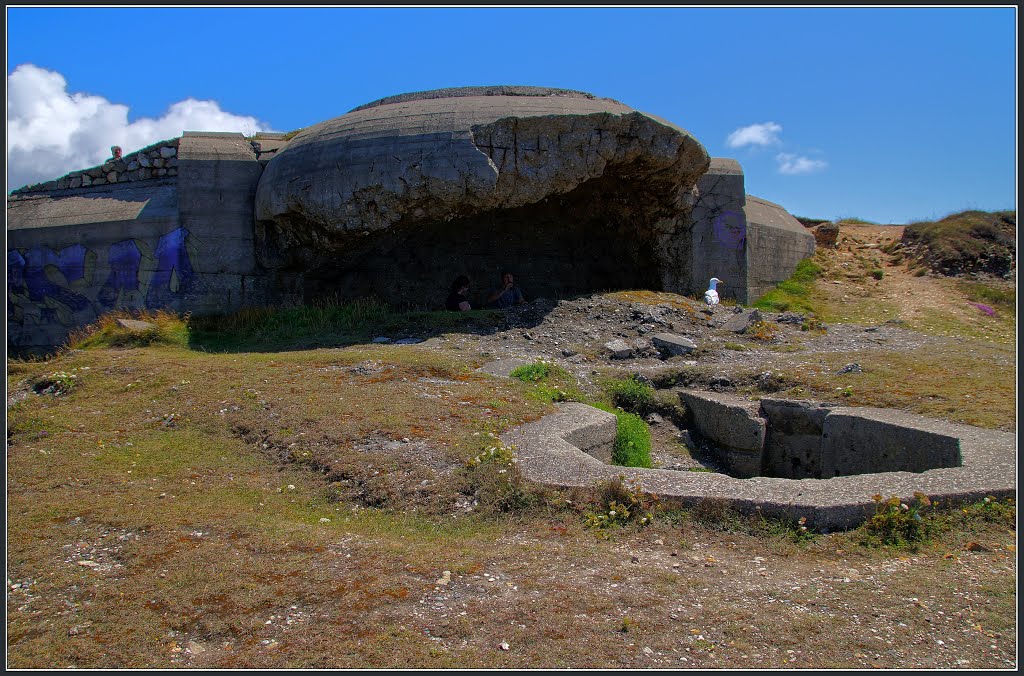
545,454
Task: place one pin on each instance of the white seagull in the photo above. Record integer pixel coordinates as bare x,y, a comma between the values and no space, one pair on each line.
711,295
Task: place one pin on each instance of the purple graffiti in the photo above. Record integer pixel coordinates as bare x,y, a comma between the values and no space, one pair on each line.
173,274
72,262
39,286
15,272
15,280
730,230
124,259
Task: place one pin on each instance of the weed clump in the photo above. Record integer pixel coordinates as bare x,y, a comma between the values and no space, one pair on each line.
632,395
493,480
57,383
622,504
761,331
132,328
898,524
1002,512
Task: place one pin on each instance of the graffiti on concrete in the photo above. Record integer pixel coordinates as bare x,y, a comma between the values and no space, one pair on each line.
125,260
44,285
729,229
173,275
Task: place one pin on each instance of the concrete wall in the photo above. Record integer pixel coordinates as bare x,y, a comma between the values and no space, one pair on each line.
803,440
862,440
749,243
183,242
776,242
719,231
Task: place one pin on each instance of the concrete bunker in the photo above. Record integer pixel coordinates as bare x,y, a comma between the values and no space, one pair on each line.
572,192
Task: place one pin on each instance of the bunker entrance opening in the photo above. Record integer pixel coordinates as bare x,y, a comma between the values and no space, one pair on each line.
590,240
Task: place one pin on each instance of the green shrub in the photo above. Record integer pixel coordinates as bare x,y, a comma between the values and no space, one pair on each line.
632,395
632,442
532,373
877,273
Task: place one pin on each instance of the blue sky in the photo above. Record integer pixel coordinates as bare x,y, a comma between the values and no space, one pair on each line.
888,114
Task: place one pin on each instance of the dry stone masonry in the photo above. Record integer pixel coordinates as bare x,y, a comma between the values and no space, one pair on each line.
159,160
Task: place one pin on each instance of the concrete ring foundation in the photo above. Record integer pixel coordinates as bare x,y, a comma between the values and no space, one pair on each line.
559,450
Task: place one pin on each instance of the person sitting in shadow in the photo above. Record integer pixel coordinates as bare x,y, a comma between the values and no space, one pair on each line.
457,299
506,296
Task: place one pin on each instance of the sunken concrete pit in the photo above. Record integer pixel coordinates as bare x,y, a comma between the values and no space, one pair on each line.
568,448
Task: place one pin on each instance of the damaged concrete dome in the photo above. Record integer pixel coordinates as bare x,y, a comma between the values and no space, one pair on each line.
571,192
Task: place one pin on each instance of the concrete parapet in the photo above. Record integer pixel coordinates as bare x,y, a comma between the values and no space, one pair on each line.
862,440
792,448
733,424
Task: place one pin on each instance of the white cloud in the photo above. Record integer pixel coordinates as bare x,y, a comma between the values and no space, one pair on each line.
795,164
51,132
764,134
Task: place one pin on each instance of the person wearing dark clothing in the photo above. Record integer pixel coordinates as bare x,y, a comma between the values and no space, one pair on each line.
457,300
508,295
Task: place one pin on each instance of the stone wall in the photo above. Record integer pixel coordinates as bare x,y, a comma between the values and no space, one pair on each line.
157,161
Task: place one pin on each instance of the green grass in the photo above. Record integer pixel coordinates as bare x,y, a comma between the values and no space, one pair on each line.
531,373
796,293
631,395
632,442
1002,299
938,381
